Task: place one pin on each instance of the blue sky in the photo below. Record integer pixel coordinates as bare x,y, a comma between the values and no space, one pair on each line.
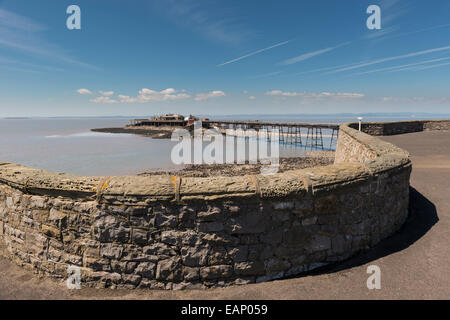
223,57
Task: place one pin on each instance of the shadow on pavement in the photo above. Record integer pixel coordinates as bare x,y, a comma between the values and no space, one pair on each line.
422,217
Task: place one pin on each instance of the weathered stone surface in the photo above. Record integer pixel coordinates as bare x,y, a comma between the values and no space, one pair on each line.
128,232
51,231
249,268
169,270
213,214
194,256
111,251
238,254
275,265
216,272
252,222
210,226
139,236
159,249
191,274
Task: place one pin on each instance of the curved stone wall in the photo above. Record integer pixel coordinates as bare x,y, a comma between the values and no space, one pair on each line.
172,233
400,127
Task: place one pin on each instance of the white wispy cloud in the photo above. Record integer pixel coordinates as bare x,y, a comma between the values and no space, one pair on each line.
309,55
84,91
408,55
209,95
18,69
23,34
265,75
254,52
441,26
391,13
106,93
104,99
305,56
209,19
11,20
146,95
416,99
316,95
433,66
402,67
282,93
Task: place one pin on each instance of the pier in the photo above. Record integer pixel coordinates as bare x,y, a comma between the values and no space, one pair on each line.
307,135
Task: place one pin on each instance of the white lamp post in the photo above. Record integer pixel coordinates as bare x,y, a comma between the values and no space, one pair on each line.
360,119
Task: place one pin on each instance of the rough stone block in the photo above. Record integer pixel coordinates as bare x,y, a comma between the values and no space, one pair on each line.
238,254
249,268
111,251
216,272
145,269
213,214
51,231
194,257
169,270
275,265
319,243
210,226
191,274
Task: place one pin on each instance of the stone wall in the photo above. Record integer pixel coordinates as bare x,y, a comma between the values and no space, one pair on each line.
172,233
400,127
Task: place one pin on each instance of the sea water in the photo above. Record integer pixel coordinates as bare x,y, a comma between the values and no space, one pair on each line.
67,145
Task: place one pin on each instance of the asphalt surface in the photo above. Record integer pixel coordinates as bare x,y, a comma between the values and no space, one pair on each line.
414,263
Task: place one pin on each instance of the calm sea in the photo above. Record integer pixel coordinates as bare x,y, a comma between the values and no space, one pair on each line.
68,145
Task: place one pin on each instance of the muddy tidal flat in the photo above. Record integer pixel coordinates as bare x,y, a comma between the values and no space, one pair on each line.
310,159
148,131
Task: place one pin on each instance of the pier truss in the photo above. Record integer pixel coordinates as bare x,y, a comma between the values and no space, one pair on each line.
313,136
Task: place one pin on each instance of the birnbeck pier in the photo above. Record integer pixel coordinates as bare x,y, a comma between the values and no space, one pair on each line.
308,135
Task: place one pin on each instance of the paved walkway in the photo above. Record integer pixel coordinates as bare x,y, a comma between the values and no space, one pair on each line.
415,263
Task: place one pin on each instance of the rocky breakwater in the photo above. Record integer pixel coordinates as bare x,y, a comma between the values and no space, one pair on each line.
190,232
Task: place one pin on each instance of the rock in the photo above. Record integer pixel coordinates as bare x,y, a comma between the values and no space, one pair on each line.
213,214
249,223
194,257
139,236
51,231
275,265
111,251
238,254
309,221
319,243
283,205
159,249
146,270
210,226
272,237
171,238
249,268
58,218
165,220
218,256
133,279
296,236
191,274
216,272
169,270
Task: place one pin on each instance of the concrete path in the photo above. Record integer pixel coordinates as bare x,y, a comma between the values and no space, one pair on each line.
414,263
